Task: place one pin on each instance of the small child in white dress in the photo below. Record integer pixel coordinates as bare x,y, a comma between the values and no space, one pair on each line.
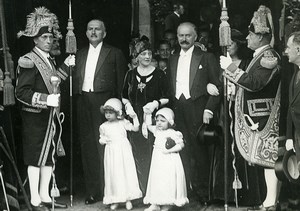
166,184
120,176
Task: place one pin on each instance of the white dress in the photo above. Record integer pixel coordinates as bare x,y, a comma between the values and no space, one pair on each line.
121,182
166,183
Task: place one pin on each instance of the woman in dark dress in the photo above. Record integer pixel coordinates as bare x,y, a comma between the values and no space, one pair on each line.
253,190
145,90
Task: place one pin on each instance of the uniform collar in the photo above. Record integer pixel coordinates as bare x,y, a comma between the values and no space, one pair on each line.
258,50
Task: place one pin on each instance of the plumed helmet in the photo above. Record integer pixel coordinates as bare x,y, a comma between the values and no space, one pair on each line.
166,113
40,21
262,22
113,104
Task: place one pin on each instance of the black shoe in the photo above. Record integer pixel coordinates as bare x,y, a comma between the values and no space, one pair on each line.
56,205
256,208
40,207
91,200
276,207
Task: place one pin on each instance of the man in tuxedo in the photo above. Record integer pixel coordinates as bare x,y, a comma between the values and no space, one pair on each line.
99,75
174,19
293,119
190,71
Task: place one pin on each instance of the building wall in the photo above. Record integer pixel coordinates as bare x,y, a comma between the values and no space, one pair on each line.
144,18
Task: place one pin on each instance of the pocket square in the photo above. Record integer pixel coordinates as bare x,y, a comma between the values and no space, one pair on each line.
200,67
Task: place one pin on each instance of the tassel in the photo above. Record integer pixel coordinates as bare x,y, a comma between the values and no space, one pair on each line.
71,43
10,65
54,191
224,29
8,91
1,80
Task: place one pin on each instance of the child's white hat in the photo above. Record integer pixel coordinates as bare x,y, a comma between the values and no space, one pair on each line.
167,113
113,104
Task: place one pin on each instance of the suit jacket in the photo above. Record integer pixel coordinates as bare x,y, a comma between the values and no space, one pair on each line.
204,69
293,116
172,21
109,73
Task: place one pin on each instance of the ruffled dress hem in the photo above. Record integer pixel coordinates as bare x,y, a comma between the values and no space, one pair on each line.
111,200
178,202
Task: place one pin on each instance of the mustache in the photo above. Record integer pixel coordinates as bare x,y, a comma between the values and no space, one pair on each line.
184,42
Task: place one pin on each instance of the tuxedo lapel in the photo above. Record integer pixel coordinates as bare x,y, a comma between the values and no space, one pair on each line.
195,61
102,56
82,62
174,64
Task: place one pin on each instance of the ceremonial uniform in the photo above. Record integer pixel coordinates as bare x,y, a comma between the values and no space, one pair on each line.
33,87
257,104
258,93
37,90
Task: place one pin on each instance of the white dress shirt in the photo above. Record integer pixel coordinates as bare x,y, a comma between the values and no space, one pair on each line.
45,56
183,73
90,67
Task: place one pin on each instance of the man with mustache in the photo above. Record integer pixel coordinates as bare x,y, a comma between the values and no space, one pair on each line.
99,75
190,71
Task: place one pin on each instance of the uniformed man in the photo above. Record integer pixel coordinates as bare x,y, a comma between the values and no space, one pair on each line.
257,108
39,100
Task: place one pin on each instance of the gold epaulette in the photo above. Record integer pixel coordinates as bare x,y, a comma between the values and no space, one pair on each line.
268,60
25,62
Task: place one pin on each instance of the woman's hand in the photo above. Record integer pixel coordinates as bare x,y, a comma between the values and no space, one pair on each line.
150,107
129,110
145,130
212,89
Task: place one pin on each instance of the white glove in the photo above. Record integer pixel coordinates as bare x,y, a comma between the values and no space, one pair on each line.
212,89
148,119
129,110
150,107
70,61
225,61
145,130
53,100
132,114
289,144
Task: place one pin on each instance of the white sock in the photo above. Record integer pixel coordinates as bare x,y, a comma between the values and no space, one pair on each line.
33,178
271,182
46,172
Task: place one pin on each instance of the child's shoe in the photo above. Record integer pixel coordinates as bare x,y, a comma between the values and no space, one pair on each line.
114,206
128,205
153,207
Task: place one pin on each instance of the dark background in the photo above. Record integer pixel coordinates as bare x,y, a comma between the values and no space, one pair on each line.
117,16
